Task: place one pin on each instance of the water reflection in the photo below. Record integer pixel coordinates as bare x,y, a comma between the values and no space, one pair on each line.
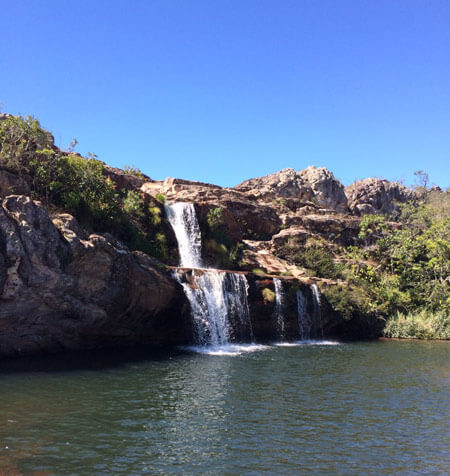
372,408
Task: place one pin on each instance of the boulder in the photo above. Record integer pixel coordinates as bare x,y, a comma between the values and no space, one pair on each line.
290,241
328,191
335,228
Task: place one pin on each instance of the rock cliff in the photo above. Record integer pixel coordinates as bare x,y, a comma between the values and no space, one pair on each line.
61,288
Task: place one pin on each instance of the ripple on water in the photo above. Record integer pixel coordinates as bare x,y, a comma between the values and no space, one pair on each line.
227,350
307,342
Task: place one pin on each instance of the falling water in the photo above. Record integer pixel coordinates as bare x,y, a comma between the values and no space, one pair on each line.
184,222
317,307
304,319
218,300
280,306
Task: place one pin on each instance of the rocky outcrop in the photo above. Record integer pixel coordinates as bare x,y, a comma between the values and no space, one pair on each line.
335,228
328,192
124,180
373,195
312,187
286,185
63,289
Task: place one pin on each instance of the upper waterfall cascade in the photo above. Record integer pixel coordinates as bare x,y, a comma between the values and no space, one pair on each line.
184,223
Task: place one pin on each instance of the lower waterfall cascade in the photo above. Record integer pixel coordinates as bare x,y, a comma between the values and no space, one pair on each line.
307,323
317,306
304,319
280,308
219,307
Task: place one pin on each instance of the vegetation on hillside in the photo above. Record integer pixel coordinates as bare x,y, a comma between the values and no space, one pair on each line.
68,182
399,271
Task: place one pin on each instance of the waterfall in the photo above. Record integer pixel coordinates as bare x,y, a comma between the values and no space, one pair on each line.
218,300
184,223
304,320
317,307
219,307
280,306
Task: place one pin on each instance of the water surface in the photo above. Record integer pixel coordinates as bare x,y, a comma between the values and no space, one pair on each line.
359,408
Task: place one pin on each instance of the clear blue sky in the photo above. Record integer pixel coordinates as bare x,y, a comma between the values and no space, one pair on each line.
221,91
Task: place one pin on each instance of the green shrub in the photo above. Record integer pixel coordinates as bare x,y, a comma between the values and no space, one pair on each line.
316,257
20,138
155,214
258,271
133,204
214,218
131,170
268,295
161,198
419,325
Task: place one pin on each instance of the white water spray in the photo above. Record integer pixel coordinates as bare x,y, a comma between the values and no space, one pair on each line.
317,307
184,223
280,306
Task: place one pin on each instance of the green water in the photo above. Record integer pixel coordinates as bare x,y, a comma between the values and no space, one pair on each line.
359,408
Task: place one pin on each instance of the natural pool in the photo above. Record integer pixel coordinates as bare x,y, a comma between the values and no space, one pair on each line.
354,408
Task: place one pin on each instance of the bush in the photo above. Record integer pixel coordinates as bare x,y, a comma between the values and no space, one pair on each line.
419,325
80,186
20,138
316,257
131,170
268,295
133,204
214,218
161,198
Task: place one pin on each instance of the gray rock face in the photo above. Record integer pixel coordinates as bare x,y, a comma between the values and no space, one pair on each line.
12,184
373,195
287,184
298,189
328,191
62,289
